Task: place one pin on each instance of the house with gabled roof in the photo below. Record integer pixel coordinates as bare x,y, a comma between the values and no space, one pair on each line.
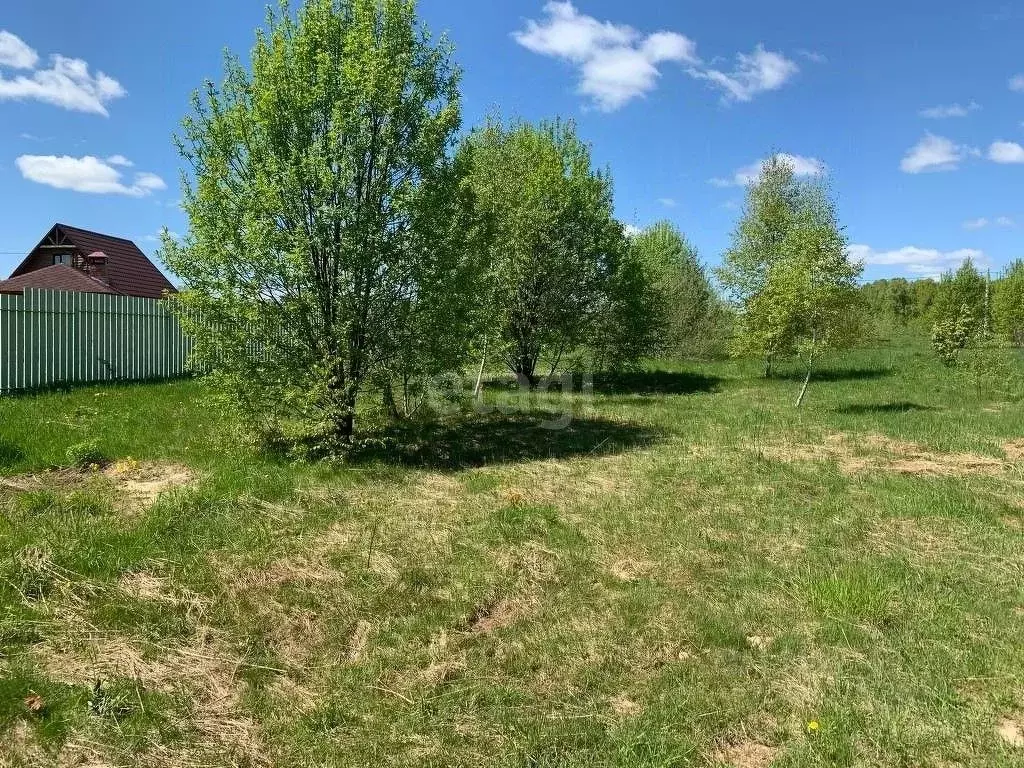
80,261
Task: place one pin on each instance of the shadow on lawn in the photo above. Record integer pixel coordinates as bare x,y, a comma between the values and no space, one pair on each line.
496,439
655,383
900,407
10,454
847,374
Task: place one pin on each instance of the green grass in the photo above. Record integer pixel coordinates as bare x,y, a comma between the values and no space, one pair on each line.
687,576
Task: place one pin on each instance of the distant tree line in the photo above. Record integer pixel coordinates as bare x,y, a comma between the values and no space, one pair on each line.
981,304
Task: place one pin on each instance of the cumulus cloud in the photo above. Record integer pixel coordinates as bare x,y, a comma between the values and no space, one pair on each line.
950,110
1017,83
1006,152
919,262
86,174
755,73
617,63
631,230
935,153
802,166
66,83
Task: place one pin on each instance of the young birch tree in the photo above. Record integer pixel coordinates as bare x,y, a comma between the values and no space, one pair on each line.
790,273
758,244
312,244
820,300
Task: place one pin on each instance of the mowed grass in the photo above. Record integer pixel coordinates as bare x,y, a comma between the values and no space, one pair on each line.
692,574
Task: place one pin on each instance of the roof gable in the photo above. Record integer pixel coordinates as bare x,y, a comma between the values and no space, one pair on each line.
128,270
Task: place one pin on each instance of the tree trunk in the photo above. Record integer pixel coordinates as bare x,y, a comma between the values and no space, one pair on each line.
480,376
810,369
342,404
389,401
803,390
526,368
768,367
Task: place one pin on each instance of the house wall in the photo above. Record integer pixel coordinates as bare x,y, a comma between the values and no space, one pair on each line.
39,259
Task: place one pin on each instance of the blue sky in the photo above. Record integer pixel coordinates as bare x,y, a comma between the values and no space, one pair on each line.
914,109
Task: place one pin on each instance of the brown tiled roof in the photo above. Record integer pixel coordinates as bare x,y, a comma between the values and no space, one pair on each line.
59,277
128,270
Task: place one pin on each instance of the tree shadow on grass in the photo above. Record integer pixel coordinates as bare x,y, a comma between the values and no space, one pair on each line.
478,441
655,383
900,407
834,375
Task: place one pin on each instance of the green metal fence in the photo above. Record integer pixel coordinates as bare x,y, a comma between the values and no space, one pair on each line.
52,337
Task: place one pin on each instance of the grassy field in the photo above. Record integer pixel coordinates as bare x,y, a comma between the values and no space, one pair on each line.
692,574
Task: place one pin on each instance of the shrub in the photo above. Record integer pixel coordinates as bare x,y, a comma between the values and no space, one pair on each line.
86,455
952,336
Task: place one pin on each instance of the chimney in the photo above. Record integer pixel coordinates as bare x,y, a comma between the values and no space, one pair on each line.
95,265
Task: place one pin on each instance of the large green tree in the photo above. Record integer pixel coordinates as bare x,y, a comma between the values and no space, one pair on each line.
661,301
790,273
553,240
316,184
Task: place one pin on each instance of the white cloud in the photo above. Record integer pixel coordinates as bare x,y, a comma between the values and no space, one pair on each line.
617,64
755,73
85,174
121,160
802,166
668,202
983,223
632,230
15,53
1017,83
67,83
935,153
950,110
1006,152
920,262
815,56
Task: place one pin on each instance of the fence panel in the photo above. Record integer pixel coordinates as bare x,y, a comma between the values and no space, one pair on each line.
50,338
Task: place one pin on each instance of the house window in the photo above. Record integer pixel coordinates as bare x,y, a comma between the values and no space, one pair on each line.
62,258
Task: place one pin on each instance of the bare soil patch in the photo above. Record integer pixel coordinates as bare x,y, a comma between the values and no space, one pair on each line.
623,706
140,484
630,569
134,485
859,454
498,615
747,754
1014,450
1011,731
